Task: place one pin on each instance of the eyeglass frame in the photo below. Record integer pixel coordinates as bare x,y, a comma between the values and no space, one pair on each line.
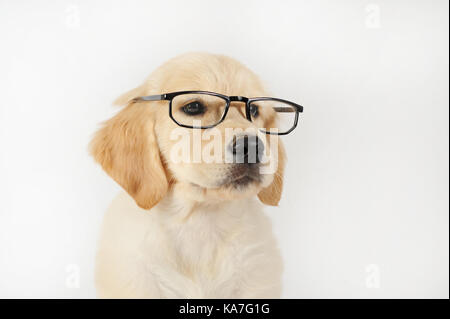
248,101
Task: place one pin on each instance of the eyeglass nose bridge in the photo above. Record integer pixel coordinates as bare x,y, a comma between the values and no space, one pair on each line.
238,98
242,99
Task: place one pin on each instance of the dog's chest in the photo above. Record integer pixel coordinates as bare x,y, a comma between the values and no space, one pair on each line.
202,252
206,245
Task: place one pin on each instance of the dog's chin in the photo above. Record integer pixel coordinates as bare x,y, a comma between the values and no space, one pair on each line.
223,190
240,184
236,179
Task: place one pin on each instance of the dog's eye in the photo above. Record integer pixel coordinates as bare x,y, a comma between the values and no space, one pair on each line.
193,108
254,110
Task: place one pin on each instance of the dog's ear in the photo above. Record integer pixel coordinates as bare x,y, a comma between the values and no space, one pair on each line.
127,149
271,195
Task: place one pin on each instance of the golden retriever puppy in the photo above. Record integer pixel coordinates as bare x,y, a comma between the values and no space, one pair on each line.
190,228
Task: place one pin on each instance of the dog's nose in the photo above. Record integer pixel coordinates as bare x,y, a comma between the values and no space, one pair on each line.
247,149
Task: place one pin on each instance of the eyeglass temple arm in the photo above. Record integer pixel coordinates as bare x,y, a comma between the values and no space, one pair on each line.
159,97
281,109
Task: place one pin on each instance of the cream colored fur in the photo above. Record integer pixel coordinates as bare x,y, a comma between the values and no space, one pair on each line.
222,251
176,235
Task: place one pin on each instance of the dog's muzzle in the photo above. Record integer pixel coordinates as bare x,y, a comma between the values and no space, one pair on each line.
246,152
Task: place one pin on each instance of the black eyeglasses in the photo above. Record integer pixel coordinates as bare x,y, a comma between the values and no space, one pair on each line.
203,110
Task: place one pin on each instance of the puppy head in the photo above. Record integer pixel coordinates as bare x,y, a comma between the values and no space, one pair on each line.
140,146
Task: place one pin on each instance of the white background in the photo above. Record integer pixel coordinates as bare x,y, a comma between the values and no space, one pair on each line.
365,208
